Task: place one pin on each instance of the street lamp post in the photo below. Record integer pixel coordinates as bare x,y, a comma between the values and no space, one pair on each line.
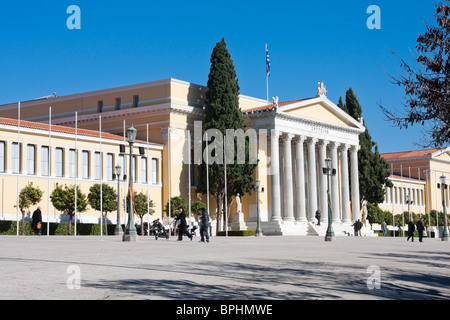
118,231
329,172
130,231
443,188
258,232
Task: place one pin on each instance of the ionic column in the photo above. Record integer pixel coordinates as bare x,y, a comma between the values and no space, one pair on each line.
312,183
323,201
275,174
288,176
335,183
356,213
300,180
345,184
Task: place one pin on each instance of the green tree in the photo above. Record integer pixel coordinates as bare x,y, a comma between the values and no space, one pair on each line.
175,203
222,112
109,201
63,199
141,207
196,206
28,196
373,169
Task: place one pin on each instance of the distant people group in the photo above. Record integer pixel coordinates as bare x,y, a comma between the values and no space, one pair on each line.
204,225
420,224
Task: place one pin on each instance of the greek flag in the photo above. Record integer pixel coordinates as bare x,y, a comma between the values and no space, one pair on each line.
267,62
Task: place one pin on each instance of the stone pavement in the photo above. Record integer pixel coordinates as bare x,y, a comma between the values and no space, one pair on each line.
281,268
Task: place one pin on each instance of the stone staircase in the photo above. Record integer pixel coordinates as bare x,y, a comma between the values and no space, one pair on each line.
340,229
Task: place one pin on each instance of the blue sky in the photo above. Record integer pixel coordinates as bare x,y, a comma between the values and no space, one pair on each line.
126,42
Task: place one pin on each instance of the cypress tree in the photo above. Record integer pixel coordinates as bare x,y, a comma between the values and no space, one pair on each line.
373,169
222,112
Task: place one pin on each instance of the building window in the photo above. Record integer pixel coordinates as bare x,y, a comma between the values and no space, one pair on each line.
136,101
122,164
118,103
85,164
100,106
144,170
109,166
15,157
31,157
154,171
59,161
72,163
45,163
97,166
2,156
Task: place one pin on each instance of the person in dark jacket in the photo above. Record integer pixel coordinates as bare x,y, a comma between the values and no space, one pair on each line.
37,221
318,217
204,225
411,229
183,227
420,228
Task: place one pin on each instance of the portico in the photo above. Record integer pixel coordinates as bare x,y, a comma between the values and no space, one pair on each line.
301,135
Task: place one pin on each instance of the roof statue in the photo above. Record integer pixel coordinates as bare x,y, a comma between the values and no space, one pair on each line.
321,90
275,102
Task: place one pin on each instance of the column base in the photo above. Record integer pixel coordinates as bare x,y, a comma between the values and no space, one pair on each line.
129,238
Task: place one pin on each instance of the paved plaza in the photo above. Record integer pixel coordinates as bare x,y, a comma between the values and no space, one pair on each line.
282,268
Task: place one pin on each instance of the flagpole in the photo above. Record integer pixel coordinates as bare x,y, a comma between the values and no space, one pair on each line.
189,171
226,200
148,194
168,171
76,174
101,178
393,200
49,166
207,175
267,71
18,166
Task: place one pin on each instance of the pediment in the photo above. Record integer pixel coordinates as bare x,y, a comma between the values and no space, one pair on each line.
443,155
323,110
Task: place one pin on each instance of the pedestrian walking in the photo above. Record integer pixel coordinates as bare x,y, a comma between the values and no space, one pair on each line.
36,225
204,225
357,225
420,228
411,229
318,217
384,228
183,227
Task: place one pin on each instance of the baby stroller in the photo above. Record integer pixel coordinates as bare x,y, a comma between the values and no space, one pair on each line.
159,230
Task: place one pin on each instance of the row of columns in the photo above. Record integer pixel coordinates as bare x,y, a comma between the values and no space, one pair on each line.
315,200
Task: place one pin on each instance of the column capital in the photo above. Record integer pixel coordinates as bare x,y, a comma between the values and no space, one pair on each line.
274,133
312,141
334,144
323,143
344,147
355,147
287,137
299,139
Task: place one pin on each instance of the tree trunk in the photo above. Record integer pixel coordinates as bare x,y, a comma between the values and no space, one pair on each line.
70,224
23,222
106,226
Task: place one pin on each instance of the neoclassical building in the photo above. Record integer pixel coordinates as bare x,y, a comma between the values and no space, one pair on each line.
415,175
294,140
